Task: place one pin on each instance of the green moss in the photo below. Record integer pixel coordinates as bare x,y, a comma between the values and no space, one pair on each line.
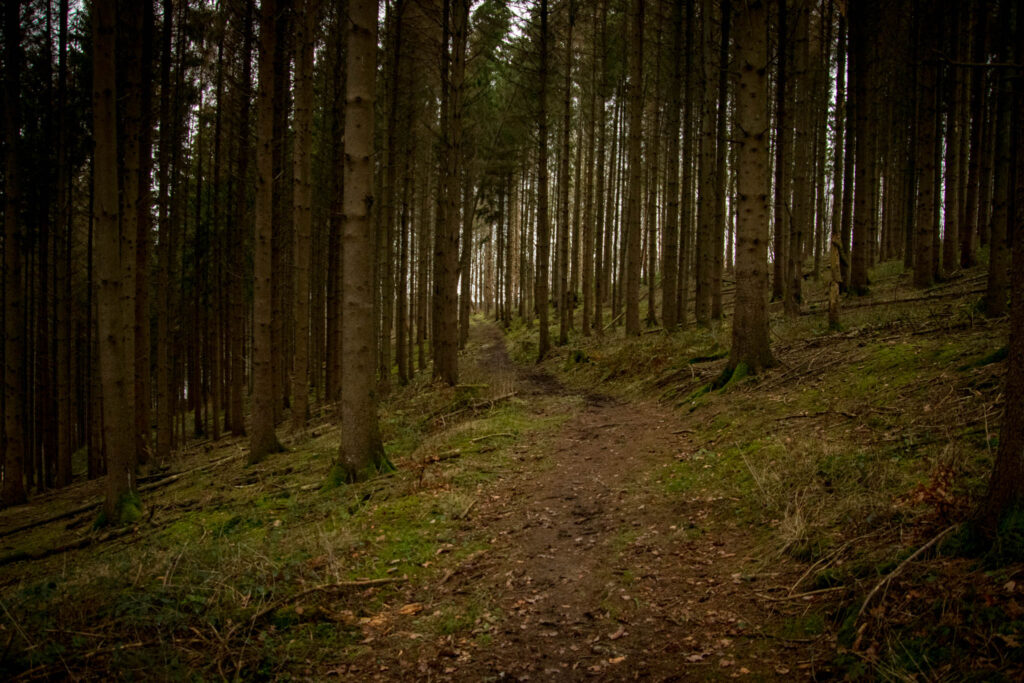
735,376
997,356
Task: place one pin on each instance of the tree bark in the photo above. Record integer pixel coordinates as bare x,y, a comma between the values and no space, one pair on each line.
782,137
446,236
240,233
721,175
563,185
632,227
601,220
926,135
979,103
836,240
750,341
670,257
361,453
540,297
951,198
706,211
861,75
262,439
1002,201
117,426
1005,493
13,491
306,22
802,158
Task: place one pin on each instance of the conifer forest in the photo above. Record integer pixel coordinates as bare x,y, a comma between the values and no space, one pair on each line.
480,340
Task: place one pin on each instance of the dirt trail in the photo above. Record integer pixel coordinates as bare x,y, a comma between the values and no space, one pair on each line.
597,573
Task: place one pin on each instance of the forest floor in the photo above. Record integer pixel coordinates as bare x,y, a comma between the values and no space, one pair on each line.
599,516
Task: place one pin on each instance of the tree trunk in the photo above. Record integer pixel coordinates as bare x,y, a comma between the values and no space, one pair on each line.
13,491
446,237
979,103
540,297
305,41
563,186
750,342
706,216
782,137
835,240
721,176
1002,201
361,453
802,158
687,204
1005,493
114,372
334,245
951,208
861,74
262,439
632,227
465,256
654,143
670,260
601,220
65,354
240,232
130,145
926,136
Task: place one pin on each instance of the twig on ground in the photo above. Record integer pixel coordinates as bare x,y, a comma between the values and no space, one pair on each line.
798,416
800,596
491,436
340,585
902,565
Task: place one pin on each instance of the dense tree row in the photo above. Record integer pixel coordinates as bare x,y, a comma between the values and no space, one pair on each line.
221,214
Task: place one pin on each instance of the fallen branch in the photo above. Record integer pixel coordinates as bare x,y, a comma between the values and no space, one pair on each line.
465,513
889,577
619,316
800,596
440,457
171,478
907,300
67,547
799,416
53,518
491,436
340,585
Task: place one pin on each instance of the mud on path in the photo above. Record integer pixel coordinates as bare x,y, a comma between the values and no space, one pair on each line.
595,571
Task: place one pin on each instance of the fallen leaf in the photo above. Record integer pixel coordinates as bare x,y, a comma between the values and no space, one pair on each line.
618,634
696,657
725,663
617,660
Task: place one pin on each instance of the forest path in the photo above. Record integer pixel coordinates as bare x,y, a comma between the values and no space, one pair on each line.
595,570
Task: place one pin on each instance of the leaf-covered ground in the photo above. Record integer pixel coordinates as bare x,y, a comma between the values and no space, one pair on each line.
598,516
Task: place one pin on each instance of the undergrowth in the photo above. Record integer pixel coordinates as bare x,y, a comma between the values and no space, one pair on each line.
252,572
859,447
